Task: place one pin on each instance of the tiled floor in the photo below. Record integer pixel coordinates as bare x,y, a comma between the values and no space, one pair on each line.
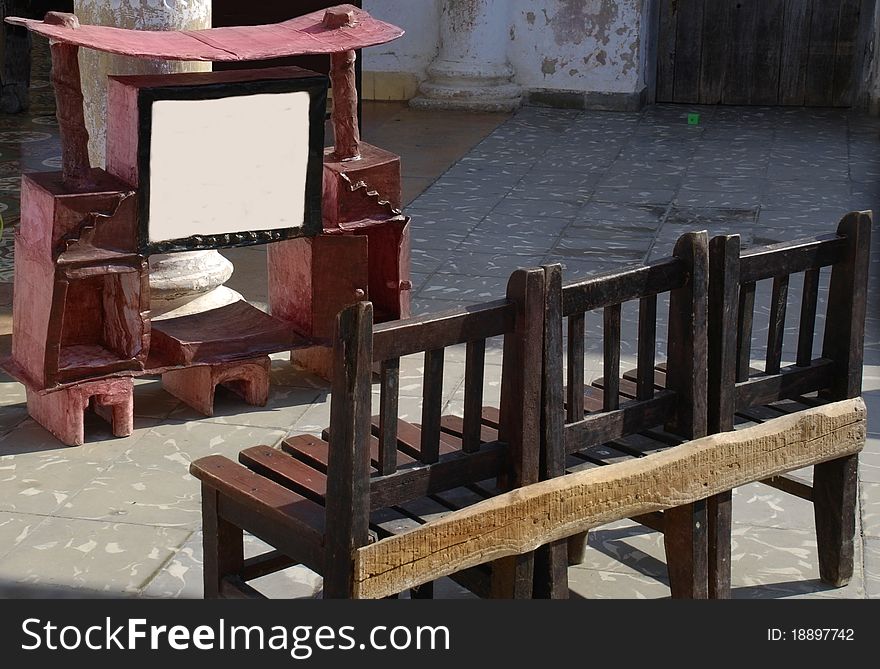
487,194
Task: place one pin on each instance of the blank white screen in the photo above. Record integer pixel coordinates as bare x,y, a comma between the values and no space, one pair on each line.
229,165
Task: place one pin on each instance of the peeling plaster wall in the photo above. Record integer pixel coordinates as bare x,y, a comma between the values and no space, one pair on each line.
577,45
413,52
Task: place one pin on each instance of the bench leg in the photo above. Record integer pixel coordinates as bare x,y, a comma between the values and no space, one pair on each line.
720,508
512,577
577,548
196,386
551,571
686,540
835,489
223,545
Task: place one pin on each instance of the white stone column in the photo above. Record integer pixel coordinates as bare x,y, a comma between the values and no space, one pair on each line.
180,283
472,71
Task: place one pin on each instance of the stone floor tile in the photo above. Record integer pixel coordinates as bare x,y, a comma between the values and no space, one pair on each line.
870,505
92,557
15,528
872,568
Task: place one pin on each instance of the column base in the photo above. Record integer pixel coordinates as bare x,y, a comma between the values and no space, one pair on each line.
468,97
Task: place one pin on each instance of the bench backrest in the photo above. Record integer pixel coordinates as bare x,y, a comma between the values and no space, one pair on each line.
358,346
681,405
734,276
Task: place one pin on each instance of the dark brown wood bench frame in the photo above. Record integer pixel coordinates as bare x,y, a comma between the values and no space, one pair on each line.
737,390
679,408
321,519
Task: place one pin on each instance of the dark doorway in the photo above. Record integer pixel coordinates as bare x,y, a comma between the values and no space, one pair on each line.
762,52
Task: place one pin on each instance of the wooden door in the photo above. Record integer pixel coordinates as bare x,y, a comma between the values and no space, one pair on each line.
762,52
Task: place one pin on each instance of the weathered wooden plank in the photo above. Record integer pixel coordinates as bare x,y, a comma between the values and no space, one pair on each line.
435,331
713,68
723,287
688,49
791,485
790,382
844,340
795,52
835,494
619,286
686,372
388,403
223,544
745,316
475,360
824,27
846,55
611,357
630,418
575,368
740,53
778,305
809,301
265,508
264,564
666,51
647,347
551,561
432,405
451,470
348,466
766,262
514,523
764,79
286,470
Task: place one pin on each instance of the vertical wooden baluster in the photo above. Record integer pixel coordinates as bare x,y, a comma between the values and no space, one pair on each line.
475,360
778,305
575,369
389,391
348,464
723,286
809,301
611,357
432,405
647,347
744,330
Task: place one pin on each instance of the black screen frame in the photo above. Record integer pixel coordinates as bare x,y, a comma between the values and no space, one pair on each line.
313,83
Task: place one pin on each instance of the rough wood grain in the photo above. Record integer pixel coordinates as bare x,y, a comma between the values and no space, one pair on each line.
520,521
348,466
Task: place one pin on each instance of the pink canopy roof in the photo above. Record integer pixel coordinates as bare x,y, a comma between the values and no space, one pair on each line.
298,36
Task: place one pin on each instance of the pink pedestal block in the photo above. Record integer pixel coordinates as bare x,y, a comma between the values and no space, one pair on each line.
62,411
196,386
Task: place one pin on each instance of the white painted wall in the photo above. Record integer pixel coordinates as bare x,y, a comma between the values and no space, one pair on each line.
563,45
577,45
413,52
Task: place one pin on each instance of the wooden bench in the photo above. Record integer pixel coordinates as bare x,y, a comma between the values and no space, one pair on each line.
740,395
320,502
617,419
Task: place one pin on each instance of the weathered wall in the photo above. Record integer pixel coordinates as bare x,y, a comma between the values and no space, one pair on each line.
560,49
393,71
577,45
